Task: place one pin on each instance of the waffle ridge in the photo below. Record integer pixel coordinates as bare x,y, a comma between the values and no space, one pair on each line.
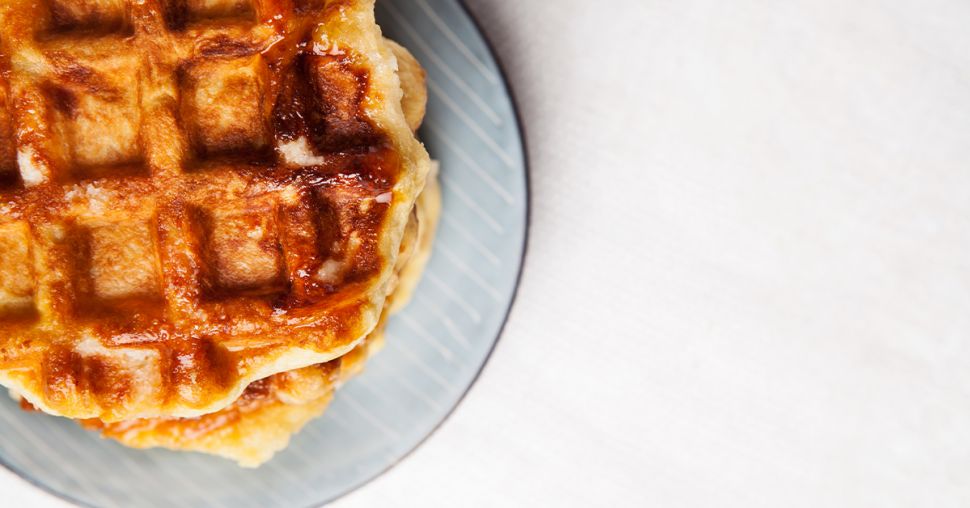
194,194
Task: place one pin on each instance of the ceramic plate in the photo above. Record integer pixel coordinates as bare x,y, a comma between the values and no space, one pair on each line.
435,348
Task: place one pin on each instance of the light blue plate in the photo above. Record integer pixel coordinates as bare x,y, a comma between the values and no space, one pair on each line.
435,348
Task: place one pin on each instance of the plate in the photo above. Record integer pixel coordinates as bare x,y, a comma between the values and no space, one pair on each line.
435,348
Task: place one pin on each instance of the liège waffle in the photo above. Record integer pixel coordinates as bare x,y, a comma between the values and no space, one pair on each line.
194,195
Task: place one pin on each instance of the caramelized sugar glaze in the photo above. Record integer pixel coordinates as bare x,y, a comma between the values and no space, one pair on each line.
194,194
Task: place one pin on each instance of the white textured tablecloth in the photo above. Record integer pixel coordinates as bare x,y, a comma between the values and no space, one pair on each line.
748,281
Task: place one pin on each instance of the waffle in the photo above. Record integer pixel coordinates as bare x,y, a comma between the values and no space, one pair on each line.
260,423
194,195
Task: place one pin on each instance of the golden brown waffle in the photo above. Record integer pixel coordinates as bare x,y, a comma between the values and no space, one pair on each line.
196,194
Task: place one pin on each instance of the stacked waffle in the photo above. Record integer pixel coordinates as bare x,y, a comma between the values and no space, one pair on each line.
208,208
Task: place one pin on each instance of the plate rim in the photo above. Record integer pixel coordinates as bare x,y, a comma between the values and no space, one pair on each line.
523,255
